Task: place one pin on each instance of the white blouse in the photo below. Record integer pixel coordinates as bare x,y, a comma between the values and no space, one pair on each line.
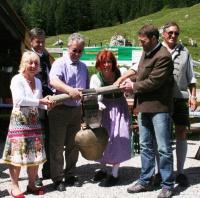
23,95
95,82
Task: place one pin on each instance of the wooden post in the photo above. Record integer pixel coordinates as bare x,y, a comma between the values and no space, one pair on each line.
101,90
197,156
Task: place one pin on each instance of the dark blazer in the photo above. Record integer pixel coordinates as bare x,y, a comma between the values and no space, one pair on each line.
154,82
43,74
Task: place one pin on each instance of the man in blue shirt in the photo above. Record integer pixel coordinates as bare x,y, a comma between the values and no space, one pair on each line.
68,75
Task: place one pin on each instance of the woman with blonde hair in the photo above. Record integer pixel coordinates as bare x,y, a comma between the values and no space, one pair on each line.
24,144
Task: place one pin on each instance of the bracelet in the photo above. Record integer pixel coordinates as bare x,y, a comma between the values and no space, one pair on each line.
194,97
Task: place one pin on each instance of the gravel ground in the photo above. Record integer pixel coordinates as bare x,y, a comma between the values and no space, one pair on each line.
129,172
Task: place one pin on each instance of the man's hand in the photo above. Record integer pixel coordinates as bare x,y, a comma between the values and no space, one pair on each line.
119,81
128,74
127,86
193,103
75,93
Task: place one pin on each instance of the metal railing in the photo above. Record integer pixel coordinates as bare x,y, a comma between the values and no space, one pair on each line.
196,63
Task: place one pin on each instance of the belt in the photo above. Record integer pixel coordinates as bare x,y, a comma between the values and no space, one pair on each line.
70,107
180,99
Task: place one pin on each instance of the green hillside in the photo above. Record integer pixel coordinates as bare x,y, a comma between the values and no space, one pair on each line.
188,19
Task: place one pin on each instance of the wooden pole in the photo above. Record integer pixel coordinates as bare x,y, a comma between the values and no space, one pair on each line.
101,90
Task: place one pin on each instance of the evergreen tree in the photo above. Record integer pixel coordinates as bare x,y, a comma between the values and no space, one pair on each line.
155,5
85,17
49,5
67,16
33,15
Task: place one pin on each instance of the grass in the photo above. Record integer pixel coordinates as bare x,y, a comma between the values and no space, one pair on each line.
187,18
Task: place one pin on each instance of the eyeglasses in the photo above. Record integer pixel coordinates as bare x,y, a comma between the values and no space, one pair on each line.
77,51
170,33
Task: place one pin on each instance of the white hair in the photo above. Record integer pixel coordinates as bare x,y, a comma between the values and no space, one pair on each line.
28,56
76,37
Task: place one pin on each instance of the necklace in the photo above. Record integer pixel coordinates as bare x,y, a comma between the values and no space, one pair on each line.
31,84
29,81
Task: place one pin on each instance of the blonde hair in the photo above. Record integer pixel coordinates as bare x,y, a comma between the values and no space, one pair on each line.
26,57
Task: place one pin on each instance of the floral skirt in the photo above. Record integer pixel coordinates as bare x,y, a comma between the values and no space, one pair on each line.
24,144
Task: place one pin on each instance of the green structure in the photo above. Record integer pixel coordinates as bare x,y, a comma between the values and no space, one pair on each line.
126,56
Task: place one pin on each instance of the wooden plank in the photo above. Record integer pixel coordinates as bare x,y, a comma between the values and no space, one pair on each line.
196,63
55,50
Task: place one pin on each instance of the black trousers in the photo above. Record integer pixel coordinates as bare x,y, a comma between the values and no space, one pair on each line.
45,125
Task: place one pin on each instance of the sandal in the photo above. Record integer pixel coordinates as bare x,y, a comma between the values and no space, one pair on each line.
21,195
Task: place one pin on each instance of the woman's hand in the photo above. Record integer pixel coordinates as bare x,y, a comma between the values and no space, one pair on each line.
48,102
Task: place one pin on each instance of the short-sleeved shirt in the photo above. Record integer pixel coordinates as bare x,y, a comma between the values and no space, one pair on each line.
183,71
73,74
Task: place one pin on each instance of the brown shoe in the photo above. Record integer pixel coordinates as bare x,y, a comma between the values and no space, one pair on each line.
136,188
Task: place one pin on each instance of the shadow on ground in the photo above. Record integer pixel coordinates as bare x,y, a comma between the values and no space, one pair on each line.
3,167
194,179
4,193
127,175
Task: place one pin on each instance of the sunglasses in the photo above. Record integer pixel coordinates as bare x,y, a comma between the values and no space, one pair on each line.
77,51
170,33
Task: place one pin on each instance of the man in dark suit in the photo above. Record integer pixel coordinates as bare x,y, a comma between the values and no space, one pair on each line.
153,99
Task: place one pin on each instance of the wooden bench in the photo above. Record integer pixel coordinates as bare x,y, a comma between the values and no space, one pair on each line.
134,128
